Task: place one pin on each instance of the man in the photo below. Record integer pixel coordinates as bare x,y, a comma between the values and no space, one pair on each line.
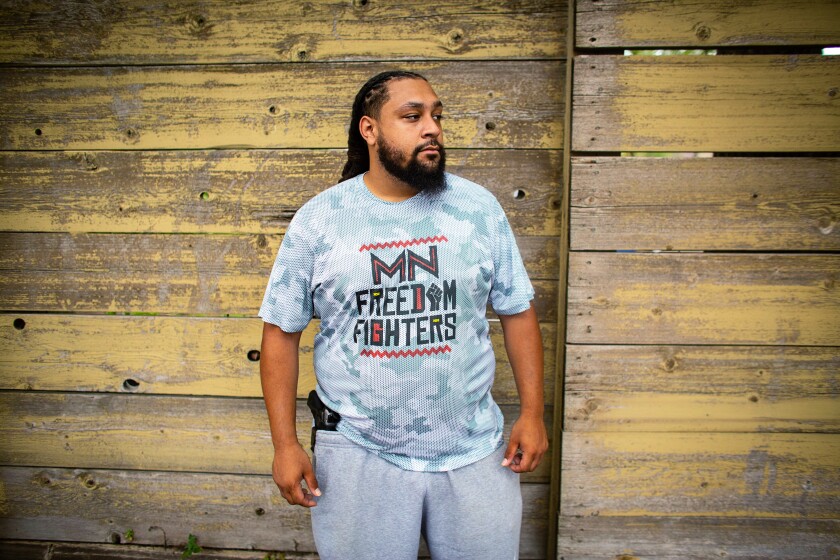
399,261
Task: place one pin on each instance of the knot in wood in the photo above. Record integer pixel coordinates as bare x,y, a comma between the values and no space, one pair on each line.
456,39
703,33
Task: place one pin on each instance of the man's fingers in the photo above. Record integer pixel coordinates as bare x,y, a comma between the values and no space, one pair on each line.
528,462
297,496
510,453
311,482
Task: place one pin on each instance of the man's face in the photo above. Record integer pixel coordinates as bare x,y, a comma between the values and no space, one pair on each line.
409,143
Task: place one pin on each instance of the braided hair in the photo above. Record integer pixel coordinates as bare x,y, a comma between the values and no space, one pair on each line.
368,103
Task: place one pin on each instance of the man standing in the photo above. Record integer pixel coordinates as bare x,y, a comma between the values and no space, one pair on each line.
399,261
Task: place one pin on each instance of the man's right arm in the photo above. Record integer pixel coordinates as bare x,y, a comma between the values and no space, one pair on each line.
279,377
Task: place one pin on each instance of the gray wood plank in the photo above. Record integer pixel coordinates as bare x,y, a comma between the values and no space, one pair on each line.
223,511
697,538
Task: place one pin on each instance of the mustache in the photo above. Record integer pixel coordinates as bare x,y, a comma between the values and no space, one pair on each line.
429,144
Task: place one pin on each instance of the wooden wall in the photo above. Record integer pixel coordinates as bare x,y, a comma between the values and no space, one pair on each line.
151,155
702,367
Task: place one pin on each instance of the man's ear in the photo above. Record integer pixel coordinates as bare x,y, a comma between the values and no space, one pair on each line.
367,128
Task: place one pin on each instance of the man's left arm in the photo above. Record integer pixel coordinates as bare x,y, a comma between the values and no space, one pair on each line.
523,343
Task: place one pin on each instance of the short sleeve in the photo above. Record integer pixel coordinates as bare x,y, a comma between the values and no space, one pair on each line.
288,297
511,292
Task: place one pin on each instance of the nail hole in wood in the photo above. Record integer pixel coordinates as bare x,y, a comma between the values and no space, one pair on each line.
518,194
254,355
38,132
19,323
204,195
490,126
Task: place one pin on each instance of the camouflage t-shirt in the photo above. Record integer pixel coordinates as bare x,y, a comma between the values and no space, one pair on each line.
401,289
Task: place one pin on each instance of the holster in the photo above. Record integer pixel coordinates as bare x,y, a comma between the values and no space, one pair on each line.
325,418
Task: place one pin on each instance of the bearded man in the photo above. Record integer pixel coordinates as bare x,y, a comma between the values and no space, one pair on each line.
399,261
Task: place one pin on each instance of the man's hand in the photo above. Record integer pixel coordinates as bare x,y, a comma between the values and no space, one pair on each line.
291,465
528,443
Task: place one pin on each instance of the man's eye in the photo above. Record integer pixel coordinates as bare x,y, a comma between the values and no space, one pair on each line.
412,117
438,117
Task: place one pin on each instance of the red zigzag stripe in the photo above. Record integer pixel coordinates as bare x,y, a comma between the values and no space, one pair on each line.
405,353
392,244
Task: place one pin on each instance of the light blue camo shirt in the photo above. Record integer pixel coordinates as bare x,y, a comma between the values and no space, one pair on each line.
401,289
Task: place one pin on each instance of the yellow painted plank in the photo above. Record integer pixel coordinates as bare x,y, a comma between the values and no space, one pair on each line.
702,388
172,355
150,432
681,474
732,203
640,23
675,412
174,274
697,538
766,103
232,191
694,298
136,32
163,508
499,104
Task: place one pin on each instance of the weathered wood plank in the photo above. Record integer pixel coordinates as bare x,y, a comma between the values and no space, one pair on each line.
706,24
706,103
705,203
223,511
702,388
488,105
253,191
40,550
697,538
173,355
181,274
679,474
694,298
137,32
149,432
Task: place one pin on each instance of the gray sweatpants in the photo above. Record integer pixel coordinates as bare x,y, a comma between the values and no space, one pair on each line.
370,508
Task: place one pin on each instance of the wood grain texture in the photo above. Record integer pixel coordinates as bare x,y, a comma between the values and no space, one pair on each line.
697,538
136,32
695,298
702,388
733,203
175,274
247,191
488,105
39,550
680,474
174,355
706,103
705,24
221,510
149,432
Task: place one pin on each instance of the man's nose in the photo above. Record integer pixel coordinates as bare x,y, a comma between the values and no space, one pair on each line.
431,127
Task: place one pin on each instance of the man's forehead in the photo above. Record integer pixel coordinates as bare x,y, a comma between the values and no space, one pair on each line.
411,93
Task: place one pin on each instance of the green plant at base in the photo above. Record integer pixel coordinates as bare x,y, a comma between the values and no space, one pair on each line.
192,547
129,535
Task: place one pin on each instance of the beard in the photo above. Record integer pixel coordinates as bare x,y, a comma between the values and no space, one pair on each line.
419,176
